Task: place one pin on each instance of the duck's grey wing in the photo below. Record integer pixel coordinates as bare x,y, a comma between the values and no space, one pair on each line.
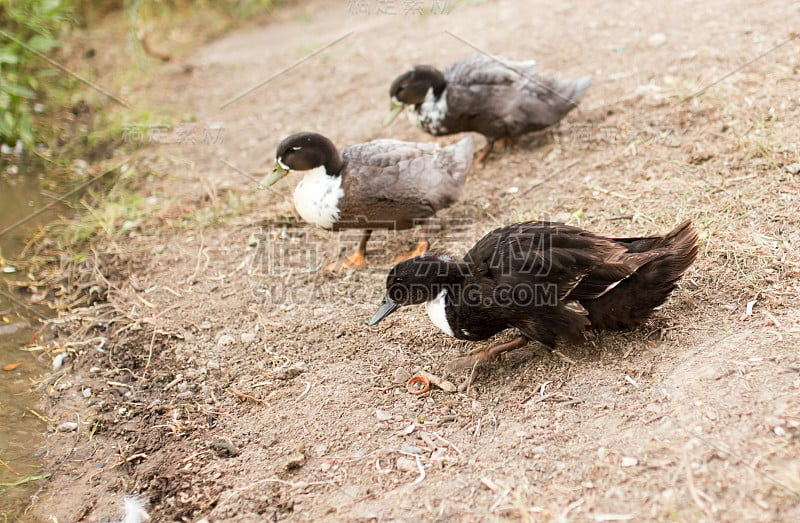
530,103
549,99
488,70
399,183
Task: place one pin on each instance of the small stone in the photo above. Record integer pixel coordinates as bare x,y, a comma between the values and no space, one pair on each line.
656,40
67,426
183,396
401,376
206,325
226,339
793,168
212,365
296,459
58,361
408,430
405,464
87,392
412,449
382,415
223,448
248,337
628,461
9,270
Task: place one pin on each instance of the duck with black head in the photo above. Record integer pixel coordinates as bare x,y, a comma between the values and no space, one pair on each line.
547,280
499,98
381,184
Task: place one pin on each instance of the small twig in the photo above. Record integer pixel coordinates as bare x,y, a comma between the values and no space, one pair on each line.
449,444
421,472
244,396
6,465
308,388
690,482
149,353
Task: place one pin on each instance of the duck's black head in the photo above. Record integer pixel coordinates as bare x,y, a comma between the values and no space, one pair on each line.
302,152
419,280
410,88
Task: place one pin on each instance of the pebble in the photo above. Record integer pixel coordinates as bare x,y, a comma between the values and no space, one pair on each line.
184,395
58,361
405,464
628,461
87,392
412,449
226,339
212,365
248,337
401,376
205,325
223,448
382,415
793,168
67,426
657,39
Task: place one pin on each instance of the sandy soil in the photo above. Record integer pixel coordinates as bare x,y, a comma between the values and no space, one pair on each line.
231,381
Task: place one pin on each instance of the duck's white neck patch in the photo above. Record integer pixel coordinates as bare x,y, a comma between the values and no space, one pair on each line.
436,309
431,112
317,197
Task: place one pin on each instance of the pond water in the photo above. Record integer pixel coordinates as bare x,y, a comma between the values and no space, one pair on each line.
20,429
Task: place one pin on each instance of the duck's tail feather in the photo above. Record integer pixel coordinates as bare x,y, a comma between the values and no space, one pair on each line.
566,93
634,299
581,86
459,158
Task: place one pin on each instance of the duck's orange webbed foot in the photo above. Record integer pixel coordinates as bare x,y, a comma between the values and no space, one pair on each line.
356,261
422,248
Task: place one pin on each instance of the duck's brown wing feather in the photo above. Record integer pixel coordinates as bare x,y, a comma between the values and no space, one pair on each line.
633,300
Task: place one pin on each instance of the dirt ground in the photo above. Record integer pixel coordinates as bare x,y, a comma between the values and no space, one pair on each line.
232,381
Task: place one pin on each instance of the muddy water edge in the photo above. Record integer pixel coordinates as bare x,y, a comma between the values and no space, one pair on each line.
21,441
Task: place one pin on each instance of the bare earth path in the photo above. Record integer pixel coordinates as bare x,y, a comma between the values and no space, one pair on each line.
232,382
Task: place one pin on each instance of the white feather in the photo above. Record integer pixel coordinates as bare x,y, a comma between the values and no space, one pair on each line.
317,196
436,309
431,113
134,510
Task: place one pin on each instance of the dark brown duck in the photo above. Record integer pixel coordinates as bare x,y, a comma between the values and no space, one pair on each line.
547,280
